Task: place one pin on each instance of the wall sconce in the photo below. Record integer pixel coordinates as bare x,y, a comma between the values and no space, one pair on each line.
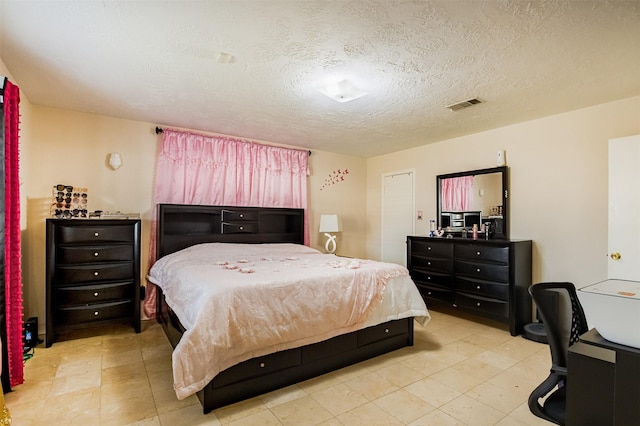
115,161
329,223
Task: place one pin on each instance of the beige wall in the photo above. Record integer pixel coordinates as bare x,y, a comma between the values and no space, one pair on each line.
336,185
71,148
557,190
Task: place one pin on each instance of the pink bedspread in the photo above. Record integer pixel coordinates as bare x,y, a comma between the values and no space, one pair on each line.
239,301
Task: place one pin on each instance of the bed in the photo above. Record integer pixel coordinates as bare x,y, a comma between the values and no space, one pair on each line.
218,264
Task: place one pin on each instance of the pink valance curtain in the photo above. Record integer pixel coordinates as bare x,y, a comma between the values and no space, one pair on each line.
457,194
12,251
218,170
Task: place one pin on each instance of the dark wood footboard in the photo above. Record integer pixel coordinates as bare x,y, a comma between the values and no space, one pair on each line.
274,371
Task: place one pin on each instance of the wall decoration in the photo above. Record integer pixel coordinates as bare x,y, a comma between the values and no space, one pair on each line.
335,177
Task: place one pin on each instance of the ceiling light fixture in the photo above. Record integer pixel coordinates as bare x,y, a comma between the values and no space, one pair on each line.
224,58
342,91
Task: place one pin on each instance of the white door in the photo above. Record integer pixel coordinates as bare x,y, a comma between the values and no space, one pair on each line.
624,208
397,215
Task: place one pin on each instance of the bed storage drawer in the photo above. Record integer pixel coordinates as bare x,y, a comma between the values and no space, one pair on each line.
258,367
330,347
381,332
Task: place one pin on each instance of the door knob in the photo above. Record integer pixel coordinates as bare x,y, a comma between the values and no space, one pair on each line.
615,255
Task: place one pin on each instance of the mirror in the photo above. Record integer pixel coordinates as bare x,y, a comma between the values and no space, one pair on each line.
473,197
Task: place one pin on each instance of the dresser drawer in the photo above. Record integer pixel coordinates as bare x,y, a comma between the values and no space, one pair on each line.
94,233
96,312
95,293
382,332
432,278
485,305
239,228
94,272
432,263
92,254
482,271
434,293
482,253
431,248
239,215
258,366
482,288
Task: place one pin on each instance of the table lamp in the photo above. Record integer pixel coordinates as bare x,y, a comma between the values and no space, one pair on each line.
328,224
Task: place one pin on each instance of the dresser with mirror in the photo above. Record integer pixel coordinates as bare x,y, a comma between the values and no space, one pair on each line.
488,275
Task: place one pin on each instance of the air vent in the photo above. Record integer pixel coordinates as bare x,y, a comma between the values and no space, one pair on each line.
464,104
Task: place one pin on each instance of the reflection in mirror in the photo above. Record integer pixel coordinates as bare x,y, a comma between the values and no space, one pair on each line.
476,197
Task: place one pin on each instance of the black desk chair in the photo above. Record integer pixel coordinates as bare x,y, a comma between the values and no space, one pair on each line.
558,306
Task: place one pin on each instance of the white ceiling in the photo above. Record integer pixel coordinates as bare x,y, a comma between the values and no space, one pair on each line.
156,61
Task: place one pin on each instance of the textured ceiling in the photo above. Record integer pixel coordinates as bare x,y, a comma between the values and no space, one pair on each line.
156,61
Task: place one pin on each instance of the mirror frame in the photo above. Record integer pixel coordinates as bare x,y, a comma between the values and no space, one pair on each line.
504,171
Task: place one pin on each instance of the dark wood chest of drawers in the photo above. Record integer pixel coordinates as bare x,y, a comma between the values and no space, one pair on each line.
490,278
93,274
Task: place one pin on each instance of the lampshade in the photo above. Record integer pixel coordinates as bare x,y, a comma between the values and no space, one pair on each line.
329,223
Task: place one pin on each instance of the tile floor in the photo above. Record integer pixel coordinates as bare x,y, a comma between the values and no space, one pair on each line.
459,372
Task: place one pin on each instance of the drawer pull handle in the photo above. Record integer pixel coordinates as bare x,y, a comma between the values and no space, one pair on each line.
478,287
95,313
97,234
429,293
386,330
95,274
478,270
241,228
478,253
428,278
95,254
95,294
428,248
478,304
429,263
262,365
241,216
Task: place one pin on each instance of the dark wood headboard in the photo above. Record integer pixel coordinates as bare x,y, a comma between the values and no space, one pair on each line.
182,225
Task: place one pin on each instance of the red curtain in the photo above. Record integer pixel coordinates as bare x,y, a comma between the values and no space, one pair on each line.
12,253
